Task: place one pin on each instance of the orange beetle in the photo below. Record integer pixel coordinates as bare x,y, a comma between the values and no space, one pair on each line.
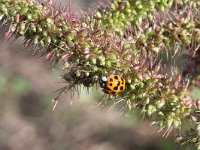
112,85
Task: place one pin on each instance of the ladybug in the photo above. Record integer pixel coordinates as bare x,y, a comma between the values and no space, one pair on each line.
112,85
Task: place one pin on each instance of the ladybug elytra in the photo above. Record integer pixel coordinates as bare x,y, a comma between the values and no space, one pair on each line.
112,85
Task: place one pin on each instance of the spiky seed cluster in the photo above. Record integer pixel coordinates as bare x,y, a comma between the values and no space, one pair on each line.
156,36
39,25
160,96
121,14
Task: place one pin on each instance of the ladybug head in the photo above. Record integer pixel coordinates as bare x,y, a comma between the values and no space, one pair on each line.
102,81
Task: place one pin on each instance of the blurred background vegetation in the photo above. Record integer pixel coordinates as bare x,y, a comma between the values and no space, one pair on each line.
27,121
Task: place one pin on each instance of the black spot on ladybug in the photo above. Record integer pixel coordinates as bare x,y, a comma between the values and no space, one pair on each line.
116,77
115,88
110,84
122,82
111,80
122,79
121,88
113,93
118,83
